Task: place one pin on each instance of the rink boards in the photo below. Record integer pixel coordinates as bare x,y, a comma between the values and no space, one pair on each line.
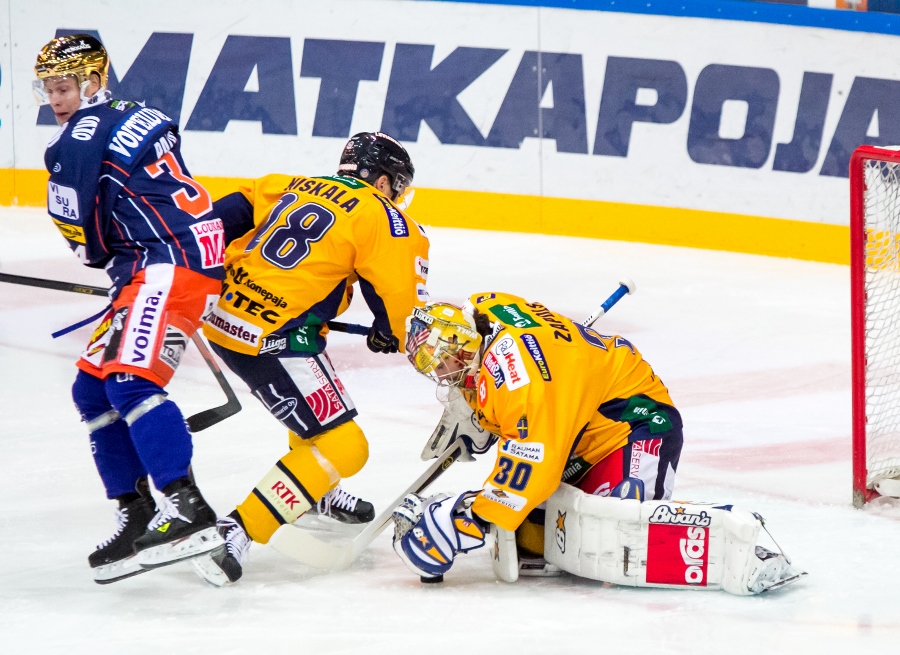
727,133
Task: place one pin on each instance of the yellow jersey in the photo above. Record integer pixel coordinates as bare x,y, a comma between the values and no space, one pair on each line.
552,389
314,237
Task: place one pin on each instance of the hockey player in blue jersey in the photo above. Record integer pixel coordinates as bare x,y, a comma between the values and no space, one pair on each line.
120,194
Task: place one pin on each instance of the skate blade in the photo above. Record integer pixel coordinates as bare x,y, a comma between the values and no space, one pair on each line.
188,547
115,571
784,582
205,567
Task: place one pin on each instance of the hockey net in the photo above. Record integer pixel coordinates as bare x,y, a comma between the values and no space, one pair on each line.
875,322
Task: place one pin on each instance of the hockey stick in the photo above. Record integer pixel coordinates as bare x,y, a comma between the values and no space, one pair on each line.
338,554
197,422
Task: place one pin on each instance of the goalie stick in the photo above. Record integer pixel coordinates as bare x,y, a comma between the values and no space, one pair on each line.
336,553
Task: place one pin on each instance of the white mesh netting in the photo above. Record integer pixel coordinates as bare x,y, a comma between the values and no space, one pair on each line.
882,319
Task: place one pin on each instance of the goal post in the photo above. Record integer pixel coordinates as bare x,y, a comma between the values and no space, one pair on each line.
875,320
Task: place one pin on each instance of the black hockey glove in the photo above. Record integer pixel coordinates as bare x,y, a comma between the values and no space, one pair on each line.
379,342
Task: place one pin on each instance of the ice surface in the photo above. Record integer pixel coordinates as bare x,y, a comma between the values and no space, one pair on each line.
755,351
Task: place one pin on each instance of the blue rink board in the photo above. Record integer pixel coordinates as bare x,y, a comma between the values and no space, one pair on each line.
756,12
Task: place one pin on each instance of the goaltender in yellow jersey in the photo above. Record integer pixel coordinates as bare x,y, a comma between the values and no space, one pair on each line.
300,244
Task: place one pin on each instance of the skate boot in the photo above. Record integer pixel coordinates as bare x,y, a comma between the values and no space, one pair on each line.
343,507
772,570
114,559
184,527
223,565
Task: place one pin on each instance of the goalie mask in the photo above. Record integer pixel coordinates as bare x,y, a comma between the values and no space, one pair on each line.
78,56
443,343
369,155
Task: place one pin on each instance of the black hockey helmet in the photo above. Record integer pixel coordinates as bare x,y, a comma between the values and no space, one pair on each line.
369,155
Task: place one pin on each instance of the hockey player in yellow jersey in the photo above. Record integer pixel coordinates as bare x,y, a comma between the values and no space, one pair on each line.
567,403
304,242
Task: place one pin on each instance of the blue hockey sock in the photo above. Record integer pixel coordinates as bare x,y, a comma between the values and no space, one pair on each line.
116,460
157,427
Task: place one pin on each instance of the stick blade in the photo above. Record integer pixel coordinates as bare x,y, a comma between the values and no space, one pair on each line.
209,417
321,550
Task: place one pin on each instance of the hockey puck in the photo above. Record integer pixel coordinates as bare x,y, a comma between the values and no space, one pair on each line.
433,580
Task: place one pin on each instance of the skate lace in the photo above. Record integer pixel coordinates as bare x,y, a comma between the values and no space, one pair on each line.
168,510
121,521
237,542
339,498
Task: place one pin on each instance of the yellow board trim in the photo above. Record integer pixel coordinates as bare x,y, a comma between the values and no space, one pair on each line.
670,226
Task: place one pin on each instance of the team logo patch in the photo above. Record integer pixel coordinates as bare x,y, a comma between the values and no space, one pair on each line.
210,238
534,349
512,314
561,531
511,362
62,201
173,347
485,296
522,427
273,345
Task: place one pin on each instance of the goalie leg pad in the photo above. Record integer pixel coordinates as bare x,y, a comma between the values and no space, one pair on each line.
661,544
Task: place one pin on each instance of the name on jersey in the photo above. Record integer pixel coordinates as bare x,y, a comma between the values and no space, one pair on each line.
397,222
326,190
240,276
234,327
534,349
511,362
560,331
210,238
62,201
130,133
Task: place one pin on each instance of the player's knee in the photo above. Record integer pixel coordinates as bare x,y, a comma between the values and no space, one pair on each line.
133,396
89,396
346,447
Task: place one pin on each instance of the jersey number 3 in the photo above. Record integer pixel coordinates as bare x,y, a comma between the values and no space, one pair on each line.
196,205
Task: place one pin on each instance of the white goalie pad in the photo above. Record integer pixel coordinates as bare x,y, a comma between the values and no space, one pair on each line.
661,544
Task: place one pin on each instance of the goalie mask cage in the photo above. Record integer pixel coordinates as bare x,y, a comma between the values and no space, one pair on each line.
875,317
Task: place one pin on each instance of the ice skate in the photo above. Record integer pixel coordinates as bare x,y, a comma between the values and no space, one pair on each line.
223,565
184,527
773,570
343,507
115,559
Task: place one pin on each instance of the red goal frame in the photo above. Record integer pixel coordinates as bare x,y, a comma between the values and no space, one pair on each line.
858,299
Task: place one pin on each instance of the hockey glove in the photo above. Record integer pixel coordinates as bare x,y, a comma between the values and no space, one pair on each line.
458,422
379,342
430,532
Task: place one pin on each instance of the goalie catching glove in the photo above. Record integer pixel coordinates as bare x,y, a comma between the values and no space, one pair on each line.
428,533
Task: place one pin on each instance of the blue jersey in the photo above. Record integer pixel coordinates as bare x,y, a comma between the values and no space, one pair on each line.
120,194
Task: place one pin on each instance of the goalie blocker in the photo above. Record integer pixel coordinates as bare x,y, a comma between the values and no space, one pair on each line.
666,544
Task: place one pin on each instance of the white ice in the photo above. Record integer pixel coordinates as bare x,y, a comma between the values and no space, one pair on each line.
755,351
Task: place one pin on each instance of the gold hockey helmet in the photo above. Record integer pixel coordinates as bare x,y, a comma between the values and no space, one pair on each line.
443,343
78,55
